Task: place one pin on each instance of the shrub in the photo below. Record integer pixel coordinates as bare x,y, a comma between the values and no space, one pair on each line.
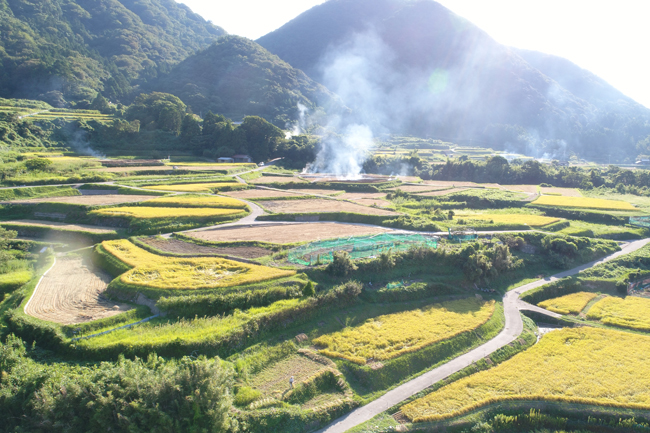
308,290
246,395
341,264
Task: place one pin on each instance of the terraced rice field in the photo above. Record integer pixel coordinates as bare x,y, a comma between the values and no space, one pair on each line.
441,192
275,179
71,292
251,194
177,246
61,226
389,336
167,168
566,192
417,188
159,272
583,202
317,191
285,233
523,219
201,201
569,304
631,312
87,200
528,189
321,206
578,365
273,381
145,212
193,187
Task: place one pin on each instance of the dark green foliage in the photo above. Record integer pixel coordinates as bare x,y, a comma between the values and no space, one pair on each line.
246,396
139,396
37,164
308,290
158,111
341,265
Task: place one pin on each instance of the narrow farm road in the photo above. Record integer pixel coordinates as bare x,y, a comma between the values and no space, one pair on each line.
513,328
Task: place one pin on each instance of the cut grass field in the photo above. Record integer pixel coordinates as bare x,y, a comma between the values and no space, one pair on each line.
273,380
583,365
568,304
58,226
389,336
441,192
250,194
159,272
146,212
71,293
631,312
584,202
523,219
566,192
193,187
322,206
194,201
285,233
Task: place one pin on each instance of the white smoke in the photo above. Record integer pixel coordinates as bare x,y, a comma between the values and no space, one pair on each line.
300,126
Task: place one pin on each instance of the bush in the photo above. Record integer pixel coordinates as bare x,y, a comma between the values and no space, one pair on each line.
341,264
246,396
308,290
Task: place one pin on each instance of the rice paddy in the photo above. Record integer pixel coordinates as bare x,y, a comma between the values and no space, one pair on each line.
583,202
200,201
146,212
194,187
630,312
159,272
569,304
581,365
389,336
521,219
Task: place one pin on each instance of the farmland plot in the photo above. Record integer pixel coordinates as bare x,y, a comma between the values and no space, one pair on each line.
71,293
274,380
566,192
193,187
526,219
249,194
87,200
60,226
580,365
276,179
285,233
568,304
583,202
146,212
187,248
631,312
322,206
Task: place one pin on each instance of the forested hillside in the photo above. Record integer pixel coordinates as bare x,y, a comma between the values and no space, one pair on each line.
65,51
433,73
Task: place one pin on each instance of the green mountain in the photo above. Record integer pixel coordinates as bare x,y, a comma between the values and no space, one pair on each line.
414,67
65,51
237,77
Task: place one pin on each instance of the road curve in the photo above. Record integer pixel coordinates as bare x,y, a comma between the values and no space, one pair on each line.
514,326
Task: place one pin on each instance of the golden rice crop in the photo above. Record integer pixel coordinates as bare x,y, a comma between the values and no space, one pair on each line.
586,202
391,335
193,187
523,219
201,201
573,303
159,272
631,312
579,365
145,212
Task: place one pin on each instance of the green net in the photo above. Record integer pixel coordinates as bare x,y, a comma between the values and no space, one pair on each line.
641,221
322,252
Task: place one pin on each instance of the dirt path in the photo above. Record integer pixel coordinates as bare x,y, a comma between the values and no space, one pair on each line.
71,292
513,328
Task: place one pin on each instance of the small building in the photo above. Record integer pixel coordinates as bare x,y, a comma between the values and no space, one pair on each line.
242,158
225,159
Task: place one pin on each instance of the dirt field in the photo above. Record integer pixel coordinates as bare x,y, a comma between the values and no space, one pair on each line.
166,168
275,378
285,233
61,226
566,192
89,200
321,205
316,191
275,179
443,192
177,246
71,292
417,188
372,202
528,189
248,194
366,198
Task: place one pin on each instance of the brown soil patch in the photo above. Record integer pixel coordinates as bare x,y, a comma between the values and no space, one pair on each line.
528,189
275,179
443,192
177,246
248,194
321,205
166,168
373,202
89,200
61,226
71,292
418,188
316,191
361,195
285,233
566,192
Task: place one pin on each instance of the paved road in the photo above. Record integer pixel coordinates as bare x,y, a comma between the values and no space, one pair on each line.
513,328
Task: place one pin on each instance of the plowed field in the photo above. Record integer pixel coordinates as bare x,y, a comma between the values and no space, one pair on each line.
71,292
89,200
285,233
321,205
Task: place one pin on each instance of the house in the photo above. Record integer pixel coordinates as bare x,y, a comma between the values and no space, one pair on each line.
242,158
225,159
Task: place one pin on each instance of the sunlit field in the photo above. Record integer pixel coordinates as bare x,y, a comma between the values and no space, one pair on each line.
569,304
631,312
583,202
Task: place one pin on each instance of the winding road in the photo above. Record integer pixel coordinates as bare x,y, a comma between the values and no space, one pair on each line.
514,326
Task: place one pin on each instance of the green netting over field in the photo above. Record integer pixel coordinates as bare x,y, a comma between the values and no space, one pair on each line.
322,252
642,221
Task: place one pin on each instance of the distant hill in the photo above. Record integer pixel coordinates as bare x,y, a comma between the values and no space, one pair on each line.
64,51
237,77
431,73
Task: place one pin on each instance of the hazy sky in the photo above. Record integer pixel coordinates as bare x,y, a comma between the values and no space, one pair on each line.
608,37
